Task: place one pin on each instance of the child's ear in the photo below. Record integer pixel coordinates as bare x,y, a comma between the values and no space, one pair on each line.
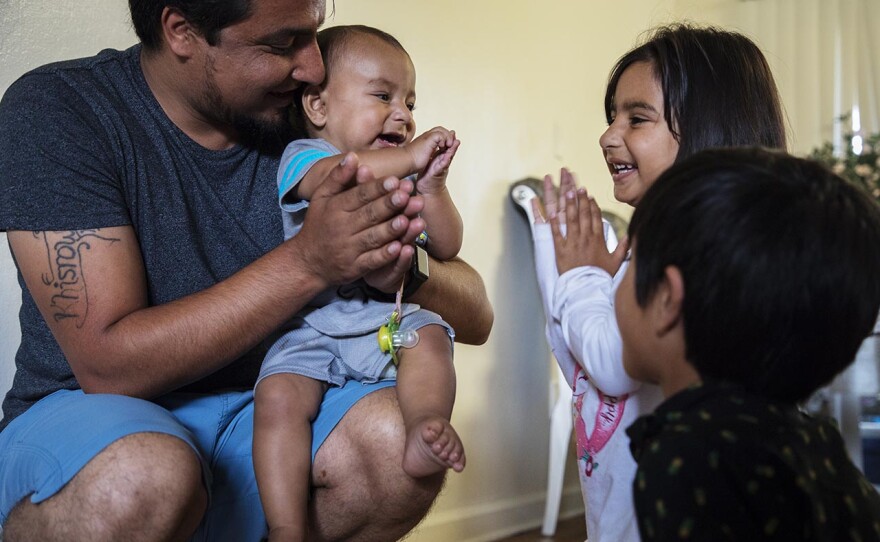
314,106
668,301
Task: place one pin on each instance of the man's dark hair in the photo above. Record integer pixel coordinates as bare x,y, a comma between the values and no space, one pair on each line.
208,16
780,259
718,90
332,42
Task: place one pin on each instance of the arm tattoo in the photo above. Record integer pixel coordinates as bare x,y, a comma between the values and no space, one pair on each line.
65,277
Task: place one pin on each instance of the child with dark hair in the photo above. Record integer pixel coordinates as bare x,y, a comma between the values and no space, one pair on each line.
363,106
686,88
752,283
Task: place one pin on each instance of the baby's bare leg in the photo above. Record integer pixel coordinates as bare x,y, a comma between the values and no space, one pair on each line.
426,392
284,407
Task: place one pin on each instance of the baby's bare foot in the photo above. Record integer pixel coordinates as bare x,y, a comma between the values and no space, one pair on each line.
432,445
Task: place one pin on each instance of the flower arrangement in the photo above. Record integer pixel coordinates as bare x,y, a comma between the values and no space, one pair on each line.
862,169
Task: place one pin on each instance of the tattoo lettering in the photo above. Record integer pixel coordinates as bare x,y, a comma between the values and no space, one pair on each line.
65,277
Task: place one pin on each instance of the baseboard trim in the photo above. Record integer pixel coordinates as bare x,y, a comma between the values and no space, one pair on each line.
494,520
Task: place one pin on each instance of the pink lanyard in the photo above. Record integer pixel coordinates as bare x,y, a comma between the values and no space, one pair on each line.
608,417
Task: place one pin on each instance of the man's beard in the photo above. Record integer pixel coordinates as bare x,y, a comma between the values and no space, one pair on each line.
269,136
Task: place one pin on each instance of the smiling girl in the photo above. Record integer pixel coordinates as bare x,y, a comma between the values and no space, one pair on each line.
685,89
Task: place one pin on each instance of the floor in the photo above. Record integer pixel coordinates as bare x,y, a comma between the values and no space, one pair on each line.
568,530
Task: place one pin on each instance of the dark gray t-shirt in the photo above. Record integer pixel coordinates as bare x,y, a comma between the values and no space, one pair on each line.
84,144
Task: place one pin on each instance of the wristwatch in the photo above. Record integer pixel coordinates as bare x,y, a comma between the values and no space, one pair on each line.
418,272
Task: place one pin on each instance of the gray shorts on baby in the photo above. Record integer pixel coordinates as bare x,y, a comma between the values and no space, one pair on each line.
306,351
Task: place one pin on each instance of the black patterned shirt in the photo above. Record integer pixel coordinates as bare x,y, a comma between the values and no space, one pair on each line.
716,463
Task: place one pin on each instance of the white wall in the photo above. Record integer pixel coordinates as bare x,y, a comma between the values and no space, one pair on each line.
10,299
522,83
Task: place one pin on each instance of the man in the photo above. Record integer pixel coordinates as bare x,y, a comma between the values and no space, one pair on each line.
137,190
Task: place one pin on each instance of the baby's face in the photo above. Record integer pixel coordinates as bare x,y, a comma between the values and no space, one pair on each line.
370,96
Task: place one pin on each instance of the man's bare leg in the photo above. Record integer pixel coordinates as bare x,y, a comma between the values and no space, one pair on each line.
361,492
145,486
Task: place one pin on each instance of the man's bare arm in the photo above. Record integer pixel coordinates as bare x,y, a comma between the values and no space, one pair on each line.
457,293
91,289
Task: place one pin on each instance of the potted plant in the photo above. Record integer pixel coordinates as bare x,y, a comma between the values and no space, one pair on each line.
862,168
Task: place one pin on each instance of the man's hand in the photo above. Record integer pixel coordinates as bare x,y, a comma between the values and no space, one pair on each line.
357,224
584,240
388,278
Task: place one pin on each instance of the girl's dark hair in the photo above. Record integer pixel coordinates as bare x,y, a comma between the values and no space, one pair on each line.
209,16
718,90
333,42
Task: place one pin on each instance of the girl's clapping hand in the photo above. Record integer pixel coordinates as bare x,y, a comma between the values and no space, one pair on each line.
583,242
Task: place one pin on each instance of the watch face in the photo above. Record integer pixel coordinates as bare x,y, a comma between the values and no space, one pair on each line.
420,265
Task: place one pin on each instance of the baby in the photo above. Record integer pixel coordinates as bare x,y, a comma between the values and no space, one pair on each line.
364,106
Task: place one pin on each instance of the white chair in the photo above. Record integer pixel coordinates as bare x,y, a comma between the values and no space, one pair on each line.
560,433
561,422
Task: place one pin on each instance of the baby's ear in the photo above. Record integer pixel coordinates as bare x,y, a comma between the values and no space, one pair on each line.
314,106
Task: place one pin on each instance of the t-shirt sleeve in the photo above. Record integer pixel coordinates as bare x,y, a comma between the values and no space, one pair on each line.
59,164
297,160
581,326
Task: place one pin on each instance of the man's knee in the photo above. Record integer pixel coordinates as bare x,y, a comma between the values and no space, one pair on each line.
153,469
366,445
145,483
359,469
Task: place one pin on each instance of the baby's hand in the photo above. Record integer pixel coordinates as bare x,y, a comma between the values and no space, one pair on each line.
433,179
584,240
423,148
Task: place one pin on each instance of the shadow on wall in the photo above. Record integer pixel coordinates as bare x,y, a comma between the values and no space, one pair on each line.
522,354
10,302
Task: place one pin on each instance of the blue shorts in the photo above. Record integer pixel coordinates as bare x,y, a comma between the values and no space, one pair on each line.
44,448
